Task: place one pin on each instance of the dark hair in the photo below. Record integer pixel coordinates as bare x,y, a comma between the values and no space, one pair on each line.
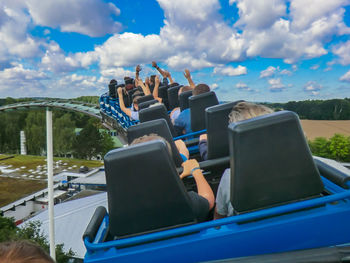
152,78
201,88
23,252
134,101
113,81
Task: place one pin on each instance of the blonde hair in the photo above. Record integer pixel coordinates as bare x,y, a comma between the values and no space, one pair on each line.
152,137
23,252
246,110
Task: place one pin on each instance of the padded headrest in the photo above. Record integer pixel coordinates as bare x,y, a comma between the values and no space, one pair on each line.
270,162
198,104
156,112
163,93
183,99
173,97
159,127
112,89
146,104
145,98
217,120
145,193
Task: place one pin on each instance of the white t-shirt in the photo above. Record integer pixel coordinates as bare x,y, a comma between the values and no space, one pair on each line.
223,202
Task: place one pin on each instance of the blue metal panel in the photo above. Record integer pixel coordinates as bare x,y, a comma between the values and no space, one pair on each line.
283,228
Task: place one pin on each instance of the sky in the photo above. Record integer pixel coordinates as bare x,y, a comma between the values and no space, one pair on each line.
266,51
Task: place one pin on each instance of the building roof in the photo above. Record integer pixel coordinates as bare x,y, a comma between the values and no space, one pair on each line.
71,220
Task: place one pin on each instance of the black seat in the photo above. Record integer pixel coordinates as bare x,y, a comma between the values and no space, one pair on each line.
146,104
271,163
145,98
216,121
183,99
157,112
159,127
173,97
163,93
146,197
198,104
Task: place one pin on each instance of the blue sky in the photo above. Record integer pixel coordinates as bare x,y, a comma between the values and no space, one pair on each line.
271,50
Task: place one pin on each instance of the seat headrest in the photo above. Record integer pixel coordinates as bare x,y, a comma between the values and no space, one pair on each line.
183,99
145,193
217,120
270,162
146,104
156,112
159,127
145,98
163,93
198,104
173,97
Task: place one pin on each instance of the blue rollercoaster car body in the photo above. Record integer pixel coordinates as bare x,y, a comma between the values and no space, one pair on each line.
304,223
315,223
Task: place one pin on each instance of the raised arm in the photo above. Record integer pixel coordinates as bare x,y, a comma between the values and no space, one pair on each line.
191,166
121,102
145,88
187,75
156,89
162,72
137,71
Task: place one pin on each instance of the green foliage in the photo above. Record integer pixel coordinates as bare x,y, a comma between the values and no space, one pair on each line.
31,231
35,131
337,147
107,143
63,134
336,109
88,99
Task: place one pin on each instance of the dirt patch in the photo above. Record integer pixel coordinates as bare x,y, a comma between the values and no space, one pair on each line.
327,129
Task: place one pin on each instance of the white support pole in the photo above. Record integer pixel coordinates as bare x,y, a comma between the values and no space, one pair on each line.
50,181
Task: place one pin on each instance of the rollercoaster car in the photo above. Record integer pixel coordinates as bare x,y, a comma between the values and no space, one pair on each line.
284,200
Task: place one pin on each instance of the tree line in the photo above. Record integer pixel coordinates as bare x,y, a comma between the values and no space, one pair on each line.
335,109
89,142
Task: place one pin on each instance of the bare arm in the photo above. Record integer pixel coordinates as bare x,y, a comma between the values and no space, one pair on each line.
187,75
203,187
121,102
167,73
156,89
145,88
137,71
181,147
164,73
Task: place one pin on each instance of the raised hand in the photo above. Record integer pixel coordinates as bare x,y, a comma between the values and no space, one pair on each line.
138,68
154,64
187,74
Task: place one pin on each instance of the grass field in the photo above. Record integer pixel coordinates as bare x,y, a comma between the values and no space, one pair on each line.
12,188
327,129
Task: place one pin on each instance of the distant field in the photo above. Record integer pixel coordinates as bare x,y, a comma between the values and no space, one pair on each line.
327,129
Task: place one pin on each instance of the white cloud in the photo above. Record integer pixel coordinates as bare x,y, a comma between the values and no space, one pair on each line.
88,17
312,87
345,77
276,85
314,67
268,72
24,81
243,86
259,14
214,86
286,72
230,71
342,50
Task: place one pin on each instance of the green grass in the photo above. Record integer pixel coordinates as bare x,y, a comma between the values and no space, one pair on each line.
12,189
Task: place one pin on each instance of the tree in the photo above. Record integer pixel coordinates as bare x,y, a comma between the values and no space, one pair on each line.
35,132
320,147
88,142
63,134
107,143
339,147
31,231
